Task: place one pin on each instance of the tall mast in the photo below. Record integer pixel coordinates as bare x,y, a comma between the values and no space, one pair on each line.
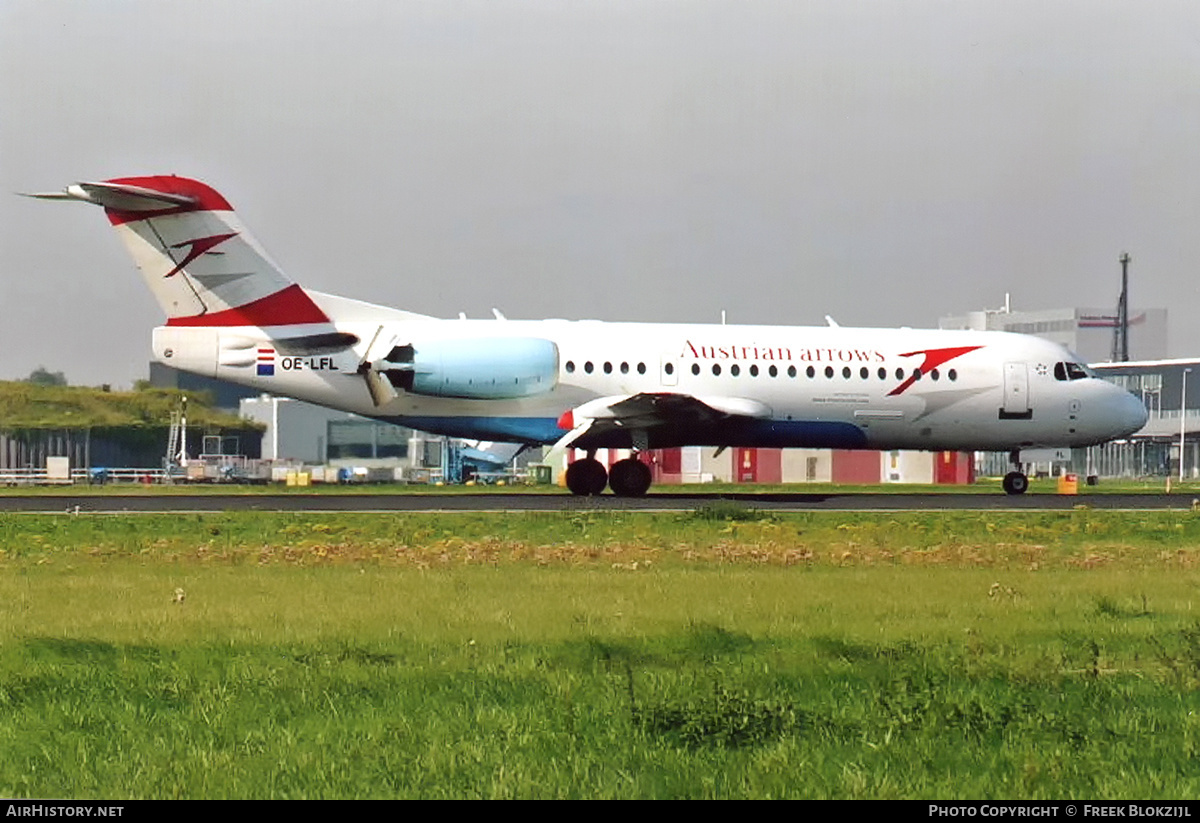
1120,352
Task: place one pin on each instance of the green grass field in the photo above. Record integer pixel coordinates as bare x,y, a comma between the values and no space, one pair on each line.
721,653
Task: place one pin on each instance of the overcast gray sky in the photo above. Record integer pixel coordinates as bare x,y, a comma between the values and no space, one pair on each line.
883,162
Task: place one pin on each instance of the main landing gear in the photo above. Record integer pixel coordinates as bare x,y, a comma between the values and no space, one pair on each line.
631,477
586,477
1015,482
628,478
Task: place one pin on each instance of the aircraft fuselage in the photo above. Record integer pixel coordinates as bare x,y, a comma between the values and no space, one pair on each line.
234,315
811,387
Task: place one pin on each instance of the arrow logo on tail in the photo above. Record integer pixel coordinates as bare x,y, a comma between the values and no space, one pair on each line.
199,246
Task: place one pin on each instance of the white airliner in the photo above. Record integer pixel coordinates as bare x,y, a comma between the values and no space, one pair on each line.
588,385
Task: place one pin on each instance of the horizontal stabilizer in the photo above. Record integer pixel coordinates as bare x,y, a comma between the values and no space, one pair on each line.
123,197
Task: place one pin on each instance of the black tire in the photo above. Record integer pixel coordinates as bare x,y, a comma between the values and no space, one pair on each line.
1015,483
629,478
586,477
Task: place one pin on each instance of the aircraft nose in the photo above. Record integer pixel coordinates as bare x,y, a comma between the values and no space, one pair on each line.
1129,413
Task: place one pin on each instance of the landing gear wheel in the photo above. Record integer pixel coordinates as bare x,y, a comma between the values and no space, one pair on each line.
629,478
586,477
1015,483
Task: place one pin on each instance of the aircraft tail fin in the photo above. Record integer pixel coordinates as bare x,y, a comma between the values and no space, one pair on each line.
202,265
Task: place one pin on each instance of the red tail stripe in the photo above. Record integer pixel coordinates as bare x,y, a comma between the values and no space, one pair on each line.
207,198
286,307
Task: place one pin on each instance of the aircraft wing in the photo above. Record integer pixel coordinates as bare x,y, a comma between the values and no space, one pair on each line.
639,413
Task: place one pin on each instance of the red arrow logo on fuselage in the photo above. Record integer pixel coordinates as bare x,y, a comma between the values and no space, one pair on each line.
933,359
199,246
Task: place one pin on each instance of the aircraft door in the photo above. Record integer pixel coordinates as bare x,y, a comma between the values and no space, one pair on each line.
668,370
1016,392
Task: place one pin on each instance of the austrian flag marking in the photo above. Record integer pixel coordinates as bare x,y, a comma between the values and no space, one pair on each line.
266,362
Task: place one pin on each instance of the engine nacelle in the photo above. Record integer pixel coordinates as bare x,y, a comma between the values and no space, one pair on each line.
489,368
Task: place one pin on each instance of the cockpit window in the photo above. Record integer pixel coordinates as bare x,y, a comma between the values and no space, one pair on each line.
1070,371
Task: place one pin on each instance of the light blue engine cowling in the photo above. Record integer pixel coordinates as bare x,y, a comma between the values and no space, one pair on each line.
494,368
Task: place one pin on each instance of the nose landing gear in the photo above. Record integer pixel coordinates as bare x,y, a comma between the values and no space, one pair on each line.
1015,482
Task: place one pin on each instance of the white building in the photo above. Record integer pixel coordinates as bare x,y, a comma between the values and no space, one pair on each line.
1087,332
305,433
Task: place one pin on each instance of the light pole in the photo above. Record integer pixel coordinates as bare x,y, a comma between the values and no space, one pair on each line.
1182,419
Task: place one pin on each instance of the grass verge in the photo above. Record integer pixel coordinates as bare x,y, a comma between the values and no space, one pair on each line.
721,653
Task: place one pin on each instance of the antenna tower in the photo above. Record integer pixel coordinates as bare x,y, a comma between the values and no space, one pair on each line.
1120,347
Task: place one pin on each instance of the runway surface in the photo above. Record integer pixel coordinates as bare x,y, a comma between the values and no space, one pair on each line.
557,502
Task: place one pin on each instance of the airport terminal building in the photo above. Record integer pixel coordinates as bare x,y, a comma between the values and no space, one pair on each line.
1170,390
1086,331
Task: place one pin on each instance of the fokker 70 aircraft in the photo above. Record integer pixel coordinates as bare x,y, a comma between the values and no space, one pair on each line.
588,385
